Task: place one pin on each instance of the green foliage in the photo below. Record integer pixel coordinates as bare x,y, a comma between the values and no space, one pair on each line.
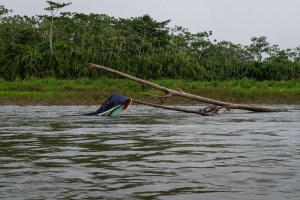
62,44
87,91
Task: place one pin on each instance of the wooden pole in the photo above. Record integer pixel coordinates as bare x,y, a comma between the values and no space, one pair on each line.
172,108
187,95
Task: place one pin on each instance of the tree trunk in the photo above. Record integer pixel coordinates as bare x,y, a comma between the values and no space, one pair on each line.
187,95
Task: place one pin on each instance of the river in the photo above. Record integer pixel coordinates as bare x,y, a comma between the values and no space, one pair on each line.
148,153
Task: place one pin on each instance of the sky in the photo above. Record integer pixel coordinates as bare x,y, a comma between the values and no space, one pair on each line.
231,20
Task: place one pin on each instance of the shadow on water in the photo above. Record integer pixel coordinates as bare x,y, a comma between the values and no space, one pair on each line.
148,154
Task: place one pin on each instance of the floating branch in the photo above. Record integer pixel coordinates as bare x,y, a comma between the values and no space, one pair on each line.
187,95
172,108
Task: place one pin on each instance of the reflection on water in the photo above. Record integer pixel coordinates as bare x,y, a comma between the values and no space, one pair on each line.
148,154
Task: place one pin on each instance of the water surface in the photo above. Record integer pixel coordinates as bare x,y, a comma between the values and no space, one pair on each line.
148,153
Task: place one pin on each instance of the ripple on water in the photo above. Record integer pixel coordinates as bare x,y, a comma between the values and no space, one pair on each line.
148,154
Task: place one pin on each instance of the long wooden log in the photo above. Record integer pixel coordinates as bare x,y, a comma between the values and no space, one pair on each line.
172,108
187,95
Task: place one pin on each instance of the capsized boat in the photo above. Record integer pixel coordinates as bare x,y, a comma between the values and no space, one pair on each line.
114,105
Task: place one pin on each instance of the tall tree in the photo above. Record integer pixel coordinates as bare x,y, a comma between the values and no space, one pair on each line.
53,8
4,11
259,46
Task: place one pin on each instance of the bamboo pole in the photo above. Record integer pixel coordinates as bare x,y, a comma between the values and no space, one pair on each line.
187,95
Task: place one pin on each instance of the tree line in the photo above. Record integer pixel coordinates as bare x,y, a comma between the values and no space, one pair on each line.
61,44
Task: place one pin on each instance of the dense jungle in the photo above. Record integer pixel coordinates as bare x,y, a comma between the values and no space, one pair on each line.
61,44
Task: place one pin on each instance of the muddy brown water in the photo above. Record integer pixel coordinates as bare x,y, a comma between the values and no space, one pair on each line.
148,153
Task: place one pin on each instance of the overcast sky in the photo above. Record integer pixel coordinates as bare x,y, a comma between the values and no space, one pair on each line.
231,20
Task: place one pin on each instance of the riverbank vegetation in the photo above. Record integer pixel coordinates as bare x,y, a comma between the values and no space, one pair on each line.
87,91
44,59
61,44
